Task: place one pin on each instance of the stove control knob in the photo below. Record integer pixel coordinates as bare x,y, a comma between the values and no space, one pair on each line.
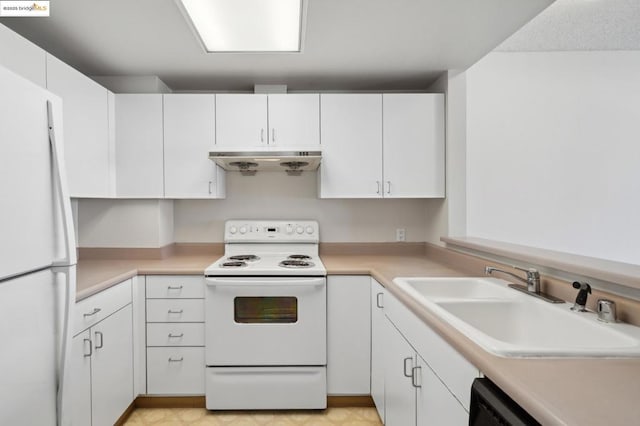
243,229
309,229
233,230
299,229
289,229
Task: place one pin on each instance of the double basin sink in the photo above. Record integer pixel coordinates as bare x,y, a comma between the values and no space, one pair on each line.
509,323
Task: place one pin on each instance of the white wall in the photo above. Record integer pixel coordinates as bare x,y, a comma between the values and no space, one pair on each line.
125,223
278,196
553,144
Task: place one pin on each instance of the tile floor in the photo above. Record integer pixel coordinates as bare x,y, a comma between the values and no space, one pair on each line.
355,416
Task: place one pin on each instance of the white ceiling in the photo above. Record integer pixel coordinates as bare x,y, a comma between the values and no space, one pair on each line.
581,25
349,44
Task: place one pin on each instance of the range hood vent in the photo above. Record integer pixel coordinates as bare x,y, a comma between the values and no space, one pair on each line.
250,162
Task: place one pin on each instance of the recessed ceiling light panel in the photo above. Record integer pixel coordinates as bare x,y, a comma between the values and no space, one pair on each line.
246,25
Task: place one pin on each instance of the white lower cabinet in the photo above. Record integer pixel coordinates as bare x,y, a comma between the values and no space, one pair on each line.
435,405
102,370
417,378
175,335
400,394
348,335
378,345
175,370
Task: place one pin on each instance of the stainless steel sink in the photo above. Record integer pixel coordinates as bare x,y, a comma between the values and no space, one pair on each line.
511,324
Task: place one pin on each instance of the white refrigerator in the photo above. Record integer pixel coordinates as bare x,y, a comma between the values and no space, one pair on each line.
37,256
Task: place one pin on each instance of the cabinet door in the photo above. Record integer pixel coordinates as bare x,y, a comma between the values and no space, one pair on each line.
413,141
435,404
351,129
241,121
294,121
348,335
139,153
400,395
86,129
189,134
112,367
22,57
378,346
80,366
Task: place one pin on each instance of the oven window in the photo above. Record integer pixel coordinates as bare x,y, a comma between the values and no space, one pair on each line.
259,310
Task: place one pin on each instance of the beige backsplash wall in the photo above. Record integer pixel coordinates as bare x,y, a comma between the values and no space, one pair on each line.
278,196
154,223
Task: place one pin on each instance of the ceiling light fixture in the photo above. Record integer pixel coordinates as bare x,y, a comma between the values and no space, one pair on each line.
234,26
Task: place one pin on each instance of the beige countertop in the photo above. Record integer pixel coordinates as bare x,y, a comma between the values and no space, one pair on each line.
554,390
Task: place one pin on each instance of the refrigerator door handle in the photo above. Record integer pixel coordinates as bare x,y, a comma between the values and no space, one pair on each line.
63,397
62,189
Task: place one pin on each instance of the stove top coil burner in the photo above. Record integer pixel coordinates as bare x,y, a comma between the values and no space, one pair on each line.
299,257
244,257
234,264
295,264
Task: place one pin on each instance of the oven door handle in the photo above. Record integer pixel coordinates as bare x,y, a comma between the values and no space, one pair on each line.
277,282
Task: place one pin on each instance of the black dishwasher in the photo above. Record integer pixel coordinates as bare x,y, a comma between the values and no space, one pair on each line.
490,406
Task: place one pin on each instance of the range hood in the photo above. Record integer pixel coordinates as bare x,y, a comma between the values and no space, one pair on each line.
250,162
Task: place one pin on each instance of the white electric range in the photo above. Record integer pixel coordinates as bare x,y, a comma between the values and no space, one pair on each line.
265,318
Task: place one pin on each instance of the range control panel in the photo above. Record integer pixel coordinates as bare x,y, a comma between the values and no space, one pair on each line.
280,231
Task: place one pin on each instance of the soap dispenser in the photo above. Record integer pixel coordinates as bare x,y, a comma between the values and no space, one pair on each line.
581,298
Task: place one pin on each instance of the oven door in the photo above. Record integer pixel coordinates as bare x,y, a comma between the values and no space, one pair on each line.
266,321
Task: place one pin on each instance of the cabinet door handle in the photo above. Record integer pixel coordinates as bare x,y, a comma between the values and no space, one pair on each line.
379,300
90,346
415,377
175,312
172,359
388,187
262,135
95,311
175,336
174,287
99,333
273,135
409,374
210,191
378,190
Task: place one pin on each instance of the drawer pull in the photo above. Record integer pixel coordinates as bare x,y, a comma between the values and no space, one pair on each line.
95,311
175,312
99,346
171,359
176,336
409,374
90,346
174,287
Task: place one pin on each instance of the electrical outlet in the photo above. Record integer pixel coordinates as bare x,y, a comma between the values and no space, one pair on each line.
401,234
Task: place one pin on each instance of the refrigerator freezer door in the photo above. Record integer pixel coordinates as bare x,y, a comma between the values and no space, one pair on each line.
30,327
27,215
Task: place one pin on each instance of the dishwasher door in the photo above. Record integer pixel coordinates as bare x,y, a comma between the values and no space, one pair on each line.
490,406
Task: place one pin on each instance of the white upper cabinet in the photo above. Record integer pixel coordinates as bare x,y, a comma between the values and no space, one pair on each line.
351,129
413,145
189,134
22,57
382,146
281,121
86,129
241,120
294,121
139,150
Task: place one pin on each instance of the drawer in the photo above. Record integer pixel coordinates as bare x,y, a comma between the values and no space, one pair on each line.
95,308
175,334
175,310
175,287
175,371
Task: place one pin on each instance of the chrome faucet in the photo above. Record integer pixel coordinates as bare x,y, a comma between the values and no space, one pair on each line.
532,281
